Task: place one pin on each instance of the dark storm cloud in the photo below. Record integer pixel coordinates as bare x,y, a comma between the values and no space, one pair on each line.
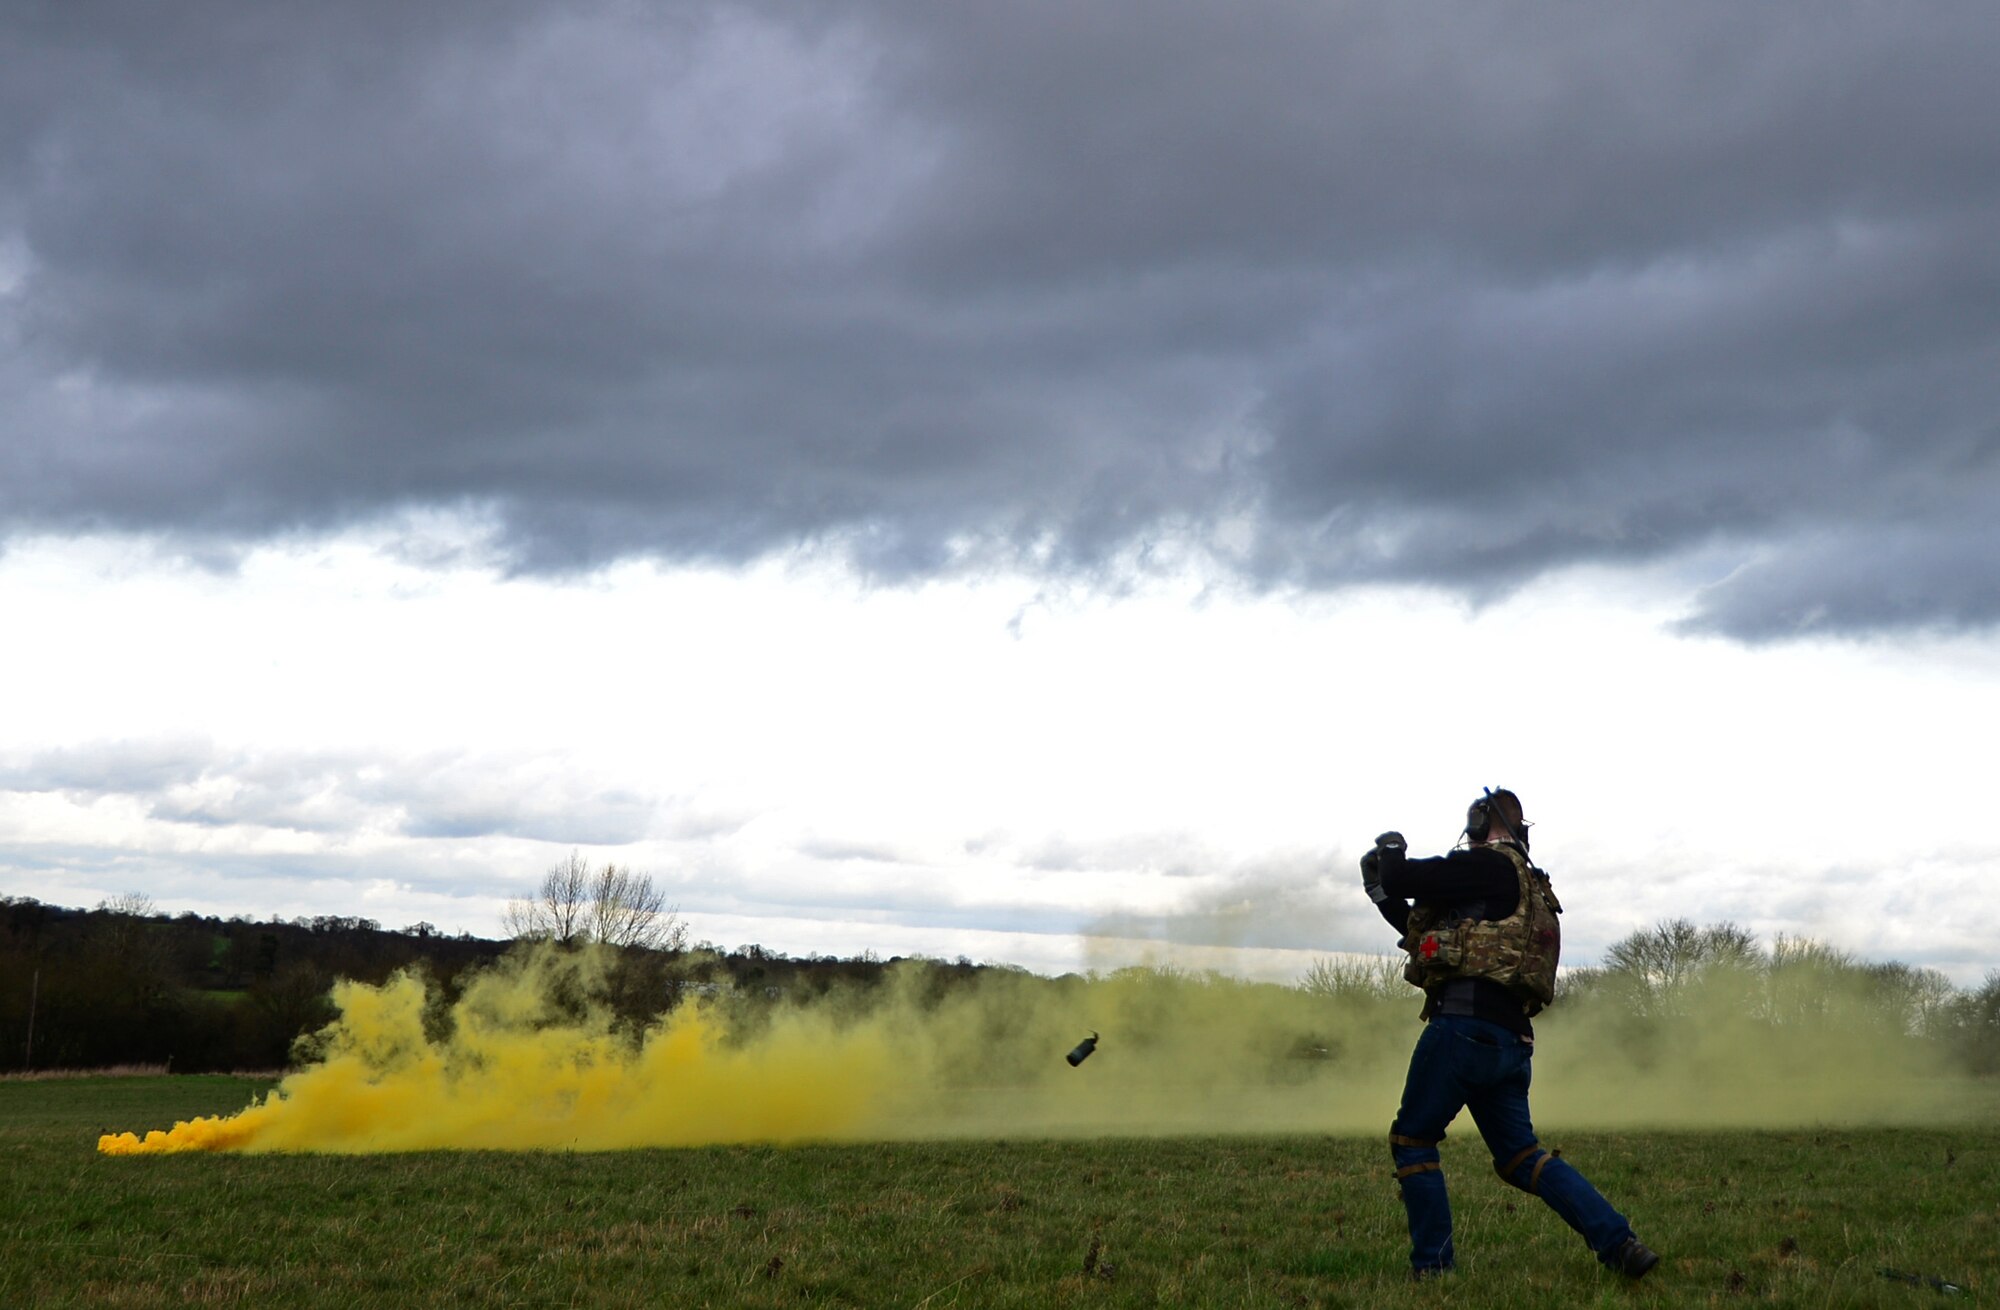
1346,292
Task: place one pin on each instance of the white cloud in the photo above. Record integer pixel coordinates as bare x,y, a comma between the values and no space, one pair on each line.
341,727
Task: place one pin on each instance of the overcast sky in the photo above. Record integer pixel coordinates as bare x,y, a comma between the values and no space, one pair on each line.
954,478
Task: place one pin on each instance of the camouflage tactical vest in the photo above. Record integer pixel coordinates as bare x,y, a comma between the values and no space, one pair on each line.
1519,952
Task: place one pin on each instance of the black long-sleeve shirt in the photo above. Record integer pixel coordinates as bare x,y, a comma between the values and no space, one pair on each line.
1477,883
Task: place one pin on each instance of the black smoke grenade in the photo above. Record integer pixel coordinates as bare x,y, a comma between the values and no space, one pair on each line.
1082,1051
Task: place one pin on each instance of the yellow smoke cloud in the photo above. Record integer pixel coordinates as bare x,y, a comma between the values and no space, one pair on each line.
513,1073
525,1060
517,1063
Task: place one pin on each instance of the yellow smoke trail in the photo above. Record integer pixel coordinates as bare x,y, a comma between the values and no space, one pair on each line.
511,1075
523,1061
509,1067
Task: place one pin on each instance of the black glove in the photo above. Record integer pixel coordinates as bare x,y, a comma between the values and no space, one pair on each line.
1371,865
1371,876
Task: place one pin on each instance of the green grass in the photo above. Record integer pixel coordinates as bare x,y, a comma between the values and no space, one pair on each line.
1800,1218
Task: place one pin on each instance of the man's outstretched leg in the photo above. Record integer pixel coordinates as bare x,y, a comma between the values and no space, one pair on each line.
1565,1190
1501,1111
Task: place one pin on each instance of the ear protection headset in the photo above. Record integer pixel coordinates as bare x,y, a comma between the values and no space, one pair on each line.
1483,813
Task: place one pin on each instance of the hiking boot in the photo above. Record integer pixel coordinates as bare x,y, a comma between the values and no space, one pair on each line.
1632,1258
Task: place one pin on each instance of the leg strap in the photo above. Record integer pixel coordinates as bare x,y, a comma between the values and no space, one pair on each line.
1411,1155
1506,1171
1532,1151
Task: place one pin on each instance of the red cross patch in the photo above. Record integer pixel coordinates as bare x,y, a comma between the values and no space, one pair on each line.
1429,947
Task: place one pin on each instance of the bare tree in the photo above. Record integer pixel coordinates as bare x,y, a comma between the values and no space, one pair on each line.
613,905
1654,969
1807,980
556,910
136,904
1906,998
1369,977
626,909
127,936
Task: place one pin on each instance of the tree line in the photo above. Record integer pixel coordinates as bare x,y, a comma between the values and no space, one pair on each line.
1677,972
123,984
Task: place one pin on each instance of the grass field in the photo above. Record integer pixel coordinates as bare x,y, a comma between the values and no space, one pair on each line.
1803,1218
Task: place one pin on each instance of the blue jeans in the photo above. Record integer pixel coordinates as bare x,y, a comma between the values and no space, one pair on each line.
1461,1062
